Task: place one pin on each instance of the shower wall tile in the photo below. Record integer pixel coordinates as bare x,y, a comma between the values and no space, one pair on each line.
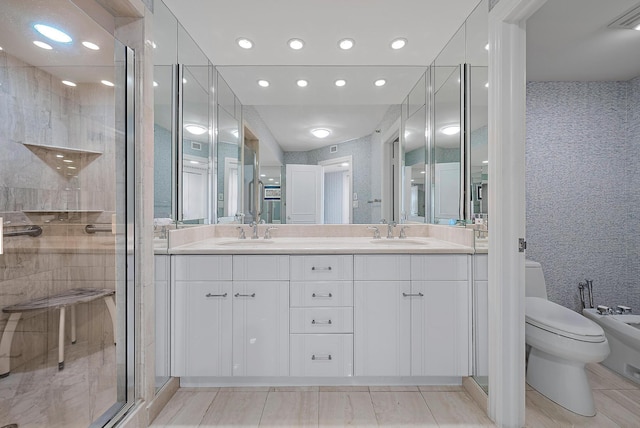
579,190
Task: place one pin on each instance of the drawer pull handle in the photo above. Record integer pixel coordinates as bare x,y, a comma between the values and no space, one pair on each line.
328,357
245,295
321,268
215,295
321,322
413,295
318,295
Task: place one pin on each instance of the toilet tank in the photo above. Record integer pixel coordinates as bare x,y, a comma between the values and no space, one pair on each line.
534,280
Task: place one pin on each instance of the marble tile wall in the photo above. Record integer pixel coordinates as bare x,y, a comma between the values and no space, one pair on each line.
582,188
35,108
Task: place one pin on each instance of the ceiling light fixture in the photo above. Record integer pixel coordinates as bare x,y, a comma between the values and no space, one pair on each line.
263,83
52,33
398,43
42,45
380,82
302,83
91,46
340,82
320,132
107,83
296,44
195,129
346,44
69,83
450,130
244,43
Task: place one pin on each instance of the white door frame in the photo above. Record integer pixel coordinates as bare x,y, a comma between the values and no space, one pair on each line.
349,170
507,97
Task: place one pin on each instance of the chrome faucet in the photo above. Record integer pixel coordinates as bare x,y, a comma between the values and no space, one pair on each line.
376,231
390,227
255,230
267,232
403,234
241,234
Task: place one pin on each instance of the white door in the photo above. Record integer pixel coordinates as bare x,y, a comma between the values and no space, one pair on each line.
447,191
305,193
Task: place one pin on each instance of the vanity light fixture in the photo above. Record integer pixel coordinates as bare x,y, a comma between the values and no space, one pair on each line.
53,33
340,83
263,83
296,44
320,132
346,44
69,83
91,46
398,43
450,130
380,82
302,83
195,129
42,45
107,83
244,43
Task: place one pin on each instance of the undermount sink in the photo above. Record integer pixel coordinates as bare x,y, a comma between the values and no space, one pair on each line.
385,241
247,242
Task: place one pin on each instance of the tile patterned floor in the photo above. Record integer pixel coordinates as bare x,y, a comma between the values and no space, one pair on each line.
617,399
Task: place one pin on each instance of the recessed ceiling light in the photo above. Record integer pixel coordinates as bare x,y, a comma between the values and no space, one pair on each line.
195,129
450,130
107,83
244,43
320,132
302,83
486,46
340,82
52,33
42,45
91,46
346,44
155,83
380,82
69,83
485,161
296,44
398,43
263,83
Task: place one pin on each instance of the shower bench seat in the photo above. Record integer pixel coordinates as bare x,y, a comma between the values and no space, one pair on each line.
68,298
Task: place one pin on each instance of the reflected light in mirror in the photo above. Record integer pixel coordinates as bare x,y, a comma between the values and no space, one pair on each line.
53,33
296,44
91,46
450,130
320,132
346,44
42,45
302,83
485,161
486,46
380,82
195,129
244,43
340,82
106,83
263,83
155,84
69,83
344,164
398,43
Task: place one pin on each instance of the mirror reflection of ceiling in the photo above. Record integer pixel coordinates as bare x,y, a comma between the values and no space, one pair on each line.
68,61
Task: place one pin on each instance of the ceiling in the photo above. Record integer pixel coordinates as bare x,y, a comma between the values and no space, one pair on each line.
568,40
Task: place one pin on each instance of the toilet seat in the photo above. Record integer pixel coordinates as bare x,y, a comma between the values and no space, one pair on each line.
562,321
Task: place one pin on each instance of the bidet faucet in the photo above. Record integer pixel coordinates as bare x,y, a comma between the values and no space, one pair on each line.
241,234
390,227
376,231
255,230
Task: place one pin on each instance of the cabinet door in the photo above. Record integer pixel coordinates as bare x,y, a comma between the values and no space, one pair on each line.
440,328
260,328
202,329
382,328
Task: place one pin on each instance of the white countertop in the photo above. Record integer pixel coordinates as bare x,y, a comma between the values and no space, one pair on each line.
315,245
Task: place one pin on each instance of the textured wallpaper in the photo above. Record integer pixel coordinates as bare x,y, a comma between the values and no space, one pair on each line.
583,189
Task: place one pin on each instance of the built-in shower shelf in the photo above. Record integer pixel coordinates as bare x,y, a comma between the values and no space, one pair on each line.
66,161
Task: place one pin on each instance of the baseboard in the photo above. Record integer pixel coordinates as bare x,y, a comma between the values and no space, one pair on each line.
162,398
476,392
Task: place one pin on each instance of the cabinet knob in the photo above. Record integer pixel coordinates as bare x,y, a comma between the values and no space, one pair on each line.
245,295
320,357
215,295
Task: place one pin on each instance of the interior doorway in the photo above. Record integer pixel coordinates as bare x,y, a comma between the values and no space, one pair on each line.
339,198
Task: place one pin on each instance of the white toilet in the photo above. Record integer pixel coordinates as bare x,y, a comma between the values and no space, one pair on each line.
562,342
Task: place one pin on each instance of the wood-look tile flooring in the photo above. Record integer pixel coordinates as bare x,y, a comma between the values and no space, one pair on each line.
617,399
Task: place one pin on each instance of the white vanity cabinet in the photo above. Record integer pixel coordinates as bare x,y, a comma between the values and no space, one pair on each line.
321,315
481,313
412,315
202,311
261,315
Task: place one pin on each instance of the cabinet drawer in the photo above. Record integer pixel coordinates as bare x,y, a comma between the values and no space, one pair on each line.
261,268
201,268
321,293
439,267
321,355
321,320
481,267
387,267
321,268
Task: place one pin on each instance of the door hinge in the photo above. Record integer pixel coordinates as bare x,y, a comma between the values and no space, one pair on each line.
522,245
